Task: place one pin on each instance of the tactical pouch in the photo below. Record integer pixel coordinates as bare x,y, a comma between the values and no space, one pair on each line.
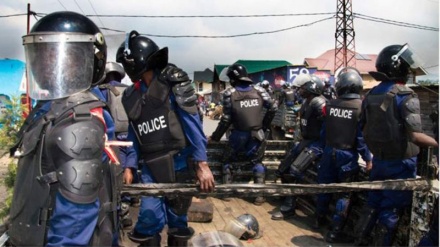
162,168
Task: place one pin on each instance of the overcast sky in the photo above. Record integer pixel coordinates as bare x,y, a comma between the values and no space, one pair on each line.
195,54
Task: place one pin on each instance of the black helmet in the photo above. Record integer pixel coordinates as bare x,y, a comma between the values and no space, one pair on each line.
394,63
349,84
238,72
314,85
66,53
251,225
139,54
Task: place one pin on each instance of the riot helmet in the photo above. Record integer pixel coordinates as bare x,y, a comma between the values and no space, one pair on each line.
244,226
314,85
251,225
349,84
300,80
395,62
238,73
115,68
65,53
139,54
265,84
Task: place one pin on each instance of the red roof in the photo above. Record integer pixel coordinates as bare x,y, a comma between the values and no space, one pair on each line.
326,61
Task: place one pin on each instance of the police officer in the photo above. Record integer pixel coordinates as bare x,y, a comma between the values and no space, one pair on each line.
241,103
287,97
63,191
266,85
167,134
292,168
393,132
339,161
329,90
112,90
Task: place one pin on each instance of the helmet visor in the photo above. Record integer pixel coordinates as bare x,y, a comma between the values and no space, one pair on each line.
412,59
58,65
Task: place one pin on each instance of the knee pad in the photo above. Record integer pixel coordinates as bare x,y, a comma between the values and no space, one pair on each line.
259,168
342,206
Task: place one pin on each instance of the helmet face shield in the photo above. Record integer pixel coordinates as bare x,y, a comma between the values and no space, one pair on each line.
58,65
411,58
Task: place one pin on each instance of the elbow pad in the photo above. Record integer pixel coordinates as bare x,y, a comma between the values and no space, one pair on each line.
411,114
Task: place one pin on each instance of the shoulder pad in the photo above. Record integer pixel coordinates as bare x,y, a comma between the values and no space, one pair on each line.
228,91
403,89
318,102
174,74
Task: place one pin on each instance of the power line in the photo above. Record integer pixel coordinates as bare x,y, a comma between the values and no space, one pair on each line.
96,13
225,36
210,16
396,23
62,5
79,7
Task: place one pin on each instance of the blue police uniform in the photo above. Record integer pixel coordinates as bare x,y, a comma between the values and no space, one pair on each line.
384,206
155,212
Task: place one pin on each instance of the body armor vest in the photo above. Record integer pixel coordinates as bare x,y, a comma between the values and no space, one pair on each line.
289,95
158,128
384,130
311,118
116,108
341,120
246,110
39,177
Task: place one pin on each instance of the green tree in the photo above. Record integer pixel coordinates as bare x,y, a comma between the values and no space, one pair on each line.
11,120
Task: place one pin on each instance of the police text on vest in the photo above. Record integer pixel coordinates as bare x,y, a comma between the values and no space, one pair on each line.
152,125
248,103
341,113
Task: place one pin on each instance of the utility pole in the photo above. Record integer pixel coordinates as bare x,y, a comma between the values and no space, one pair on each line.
344,36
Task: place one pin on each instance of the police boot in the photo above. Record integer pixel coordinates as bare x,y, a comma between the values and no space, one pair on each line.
179,236
144,240
364,226
259,178
287,209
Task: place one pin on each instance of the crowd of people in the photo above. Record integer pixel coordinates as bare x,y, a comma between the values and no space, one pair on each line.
70,172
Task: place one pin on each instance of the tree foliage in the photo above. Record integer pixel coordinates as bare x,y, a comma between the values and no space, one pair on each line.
11,120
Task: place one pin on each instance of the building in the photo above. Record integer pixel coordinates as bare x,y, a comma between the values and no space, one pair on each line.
203,83
364,63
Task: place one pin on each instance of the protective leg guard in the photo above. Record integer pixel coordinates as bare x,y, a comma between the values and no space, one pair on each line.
259,178
144,240
287,209
364,226
179,236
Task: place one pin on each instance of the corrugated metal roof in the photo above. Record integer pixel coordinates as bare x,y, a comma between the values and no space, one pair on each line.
204,76
254,66
364,62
